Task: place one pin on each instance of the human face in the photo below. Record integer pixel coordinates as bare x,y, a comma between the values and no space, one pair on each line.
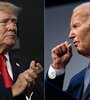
8,29
80,32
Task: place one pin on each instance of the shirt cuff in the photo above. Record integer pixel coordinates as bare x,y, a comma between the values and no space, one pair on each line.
53,73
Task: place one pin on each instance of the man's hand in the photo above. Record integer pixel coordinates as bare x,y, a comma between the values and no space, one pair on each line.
27,79
61,55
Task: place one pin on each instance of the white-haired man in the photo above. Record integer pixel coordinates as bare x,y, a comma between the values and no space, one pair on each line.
79,86
17,77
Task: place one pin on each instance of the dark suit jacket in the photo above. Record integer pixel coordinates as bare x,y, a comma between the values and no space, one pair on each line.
6,93
75,88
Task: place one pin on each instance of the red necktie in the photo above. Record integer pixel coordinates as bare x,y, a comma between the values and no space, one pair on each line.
6,78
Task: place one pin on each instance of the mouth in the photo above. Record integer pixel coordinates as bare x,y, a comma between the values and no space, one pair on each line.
11,36
75,43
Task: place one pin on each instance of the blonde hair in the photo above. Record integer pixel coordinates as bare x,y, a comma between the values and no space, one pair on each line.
9,7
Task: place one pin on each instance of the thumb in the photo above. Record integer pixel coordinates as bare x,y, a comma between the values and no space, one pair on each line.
69,47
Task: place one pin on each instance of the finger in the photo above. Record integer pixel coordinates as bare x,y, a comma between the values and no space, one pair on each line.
30,81
56,51
27,77
32,73
34,68
39,68
32,63
63,47
70,48
61,50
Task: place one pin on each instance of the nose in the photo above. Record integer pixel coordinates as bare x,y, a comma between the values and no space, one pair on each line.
71,34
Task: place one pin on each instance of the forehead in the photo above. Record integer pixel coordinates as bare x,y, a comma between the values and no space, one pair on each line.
4,15
79,15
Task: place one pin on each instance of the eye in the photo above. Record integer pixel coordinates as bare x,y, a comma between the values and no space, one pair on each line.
4,21
14,21
76,25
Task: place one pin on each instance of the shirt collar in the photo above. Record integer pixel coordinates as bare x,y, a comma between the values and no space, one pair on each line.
7,56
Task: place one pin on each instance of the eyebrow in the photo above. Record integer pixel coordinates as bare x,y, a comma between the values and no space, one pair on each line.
6,19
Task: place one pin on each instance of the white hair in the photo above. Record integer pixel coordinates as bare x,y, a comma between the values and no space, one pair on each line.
83,5
9,7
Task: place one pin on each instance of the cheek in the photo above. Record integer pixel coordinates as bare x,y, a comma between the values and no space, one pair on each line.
84,34
85,41
80,37
2,33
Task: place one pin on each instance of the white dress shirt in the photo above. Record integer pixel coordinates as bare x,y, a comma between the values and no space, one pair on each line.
8,65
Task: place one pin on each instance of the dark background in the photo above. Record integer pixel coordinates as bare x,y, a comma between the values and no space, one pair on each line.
31,29
51,3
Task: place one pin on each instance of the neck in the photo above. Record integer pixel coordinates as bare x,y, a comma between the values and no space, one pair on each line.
4,49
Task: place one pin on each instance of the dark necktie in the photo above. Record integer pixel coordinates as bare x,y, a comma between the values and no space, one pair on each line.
5,75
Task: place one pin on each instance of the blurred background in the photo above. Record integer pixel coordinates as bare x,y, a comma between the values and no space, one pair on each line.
56,30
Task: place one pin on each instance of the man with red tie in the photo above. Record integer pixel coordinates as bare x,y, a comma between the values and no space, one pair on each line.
17,77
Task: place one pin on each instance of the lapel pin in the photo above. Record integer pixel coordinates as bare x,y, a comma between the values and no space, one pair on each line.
17,64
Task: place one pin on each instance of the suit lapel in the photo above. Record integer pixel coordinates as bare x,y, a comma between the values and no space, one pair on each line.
15,68
18,66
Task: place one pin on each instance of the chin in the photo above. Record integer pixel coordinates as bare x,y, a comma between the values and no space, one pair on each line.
11,43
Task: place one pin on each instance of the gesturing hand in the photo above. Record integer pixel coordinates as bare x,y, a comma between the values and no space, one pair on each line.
27,79
36,69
